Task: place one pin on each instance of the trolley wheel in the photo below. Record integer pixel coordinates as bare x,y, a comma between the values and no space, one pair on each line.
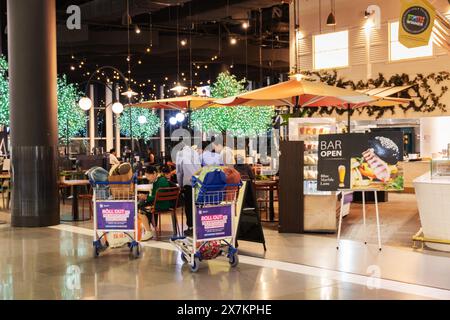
135,251
233,260
195,265
183,257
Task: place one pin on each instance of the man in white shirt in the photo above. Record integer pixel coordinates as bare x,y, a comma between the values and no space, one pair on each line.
113,157
226,153
209,157
187,163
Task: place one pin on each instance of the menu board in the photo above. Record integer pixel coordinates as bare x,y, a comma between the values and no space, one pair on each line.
360,161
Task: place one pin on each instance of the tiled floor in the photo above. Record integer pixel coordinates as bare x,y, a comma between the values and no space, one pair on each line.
48,263
57,263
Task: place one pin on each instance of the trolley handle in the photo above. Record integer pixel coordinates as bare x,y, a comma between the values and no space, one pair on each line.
196,181
105,183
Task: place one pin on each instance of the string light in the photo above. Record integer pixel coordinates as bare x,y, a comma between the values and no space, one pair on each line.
233,41
240,120
144,131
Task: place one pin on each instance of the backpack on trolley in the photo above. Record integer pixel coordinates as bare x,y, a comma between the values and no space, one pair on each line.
210,182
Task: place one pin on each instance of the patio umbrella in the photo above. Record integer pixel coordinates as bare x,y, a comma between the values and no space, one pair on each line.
298,92
286,93
184,103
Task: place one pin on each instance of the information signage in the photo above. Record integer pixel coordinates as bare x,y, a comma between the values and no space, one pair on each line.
214,222
359,161
115,215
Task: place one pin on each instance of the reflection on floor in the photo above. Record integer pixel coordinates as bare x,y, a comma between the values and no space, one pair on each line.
56,263
48,263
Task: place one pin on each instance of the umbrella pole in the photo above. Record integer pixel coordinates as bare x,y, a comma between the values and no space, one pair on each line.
348,118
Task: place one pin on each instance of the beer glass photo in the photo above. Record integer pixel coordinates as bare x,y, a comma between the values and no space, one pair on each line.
341,170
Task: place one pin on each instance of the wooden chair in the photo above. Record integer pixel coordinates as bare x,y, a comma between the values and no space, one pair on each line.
87,197
166,194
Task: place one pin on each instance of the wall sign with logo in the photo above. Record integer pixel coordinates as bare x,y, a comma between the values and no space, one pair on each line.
416,23
360,161
115,215
214,222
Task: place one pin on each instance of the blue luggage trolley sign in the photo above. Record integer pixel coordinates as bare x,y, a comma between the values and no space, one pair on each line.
115,215
214,222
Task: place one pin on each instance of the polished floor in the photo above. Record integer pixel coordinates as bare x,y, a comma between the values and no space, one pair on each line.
48,263
57,263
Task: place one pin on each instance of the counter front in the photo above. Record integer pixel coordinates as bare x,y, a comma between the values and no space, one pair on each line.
433,200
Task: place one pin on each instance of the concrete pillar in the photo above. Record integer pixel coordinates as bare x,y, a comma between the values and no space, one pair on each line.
33,103
117,128
92,121
109,117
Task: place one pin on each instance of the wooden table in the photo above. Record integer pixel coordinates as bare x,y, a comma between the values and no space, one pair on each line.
3,177
268,185
75,184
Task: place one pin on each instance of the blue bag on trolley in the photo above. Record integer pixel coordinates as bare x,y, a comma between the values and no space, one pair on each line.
209,184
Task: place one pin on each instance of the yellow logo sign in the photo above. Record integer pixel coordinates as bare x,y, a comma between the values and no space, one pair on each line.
416,23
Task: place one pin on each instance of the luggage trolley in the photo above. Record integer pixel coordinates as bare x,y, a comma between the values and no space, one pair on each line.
115,210
213,226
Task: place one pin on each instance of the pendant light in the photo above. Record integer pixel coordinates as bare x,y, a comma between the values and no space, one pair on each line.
331,20
178,88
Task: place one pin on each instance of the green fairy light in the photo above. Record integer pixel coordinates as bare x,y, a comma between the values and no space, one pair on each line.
140,131
71,119
240,120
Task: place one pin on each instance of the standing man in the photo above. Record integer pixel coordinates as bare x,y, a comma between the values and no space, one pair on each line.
187,163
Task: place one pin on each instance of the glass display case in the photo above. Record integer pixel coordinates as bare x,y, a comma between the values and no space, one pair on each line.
440,168
308,130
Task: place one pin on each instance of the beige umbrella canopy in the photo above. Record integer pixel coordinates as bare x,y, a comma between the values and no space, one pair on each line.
285,93
184,103
312,94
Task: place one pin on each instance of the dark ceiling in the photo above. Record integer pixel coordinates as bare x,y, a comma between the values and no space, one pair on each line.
261,50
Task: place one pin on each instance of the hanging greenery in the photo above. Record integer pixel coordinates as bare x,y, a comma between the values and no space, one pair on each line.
71,119
240,120
424,98
140,131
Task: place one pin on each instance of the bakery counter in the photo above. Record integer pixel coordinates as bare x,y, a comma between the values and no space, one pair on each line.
433,201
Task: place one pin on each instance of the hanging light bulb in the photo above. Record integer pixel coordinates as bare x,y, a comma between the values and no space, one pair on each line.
245,25
183,42
180,117
233,41
173,121
136,29
178,88
72,68
85,103
117,108
142,120
129,93
331,20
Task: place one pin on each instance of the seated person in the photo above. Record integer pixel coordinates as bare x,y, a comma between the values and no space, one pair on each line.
168,173
147,201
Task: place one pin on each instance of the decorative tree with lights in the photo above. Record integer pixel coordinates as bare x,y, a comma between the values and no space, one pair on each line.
239,120
71,119
140,129
4,92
